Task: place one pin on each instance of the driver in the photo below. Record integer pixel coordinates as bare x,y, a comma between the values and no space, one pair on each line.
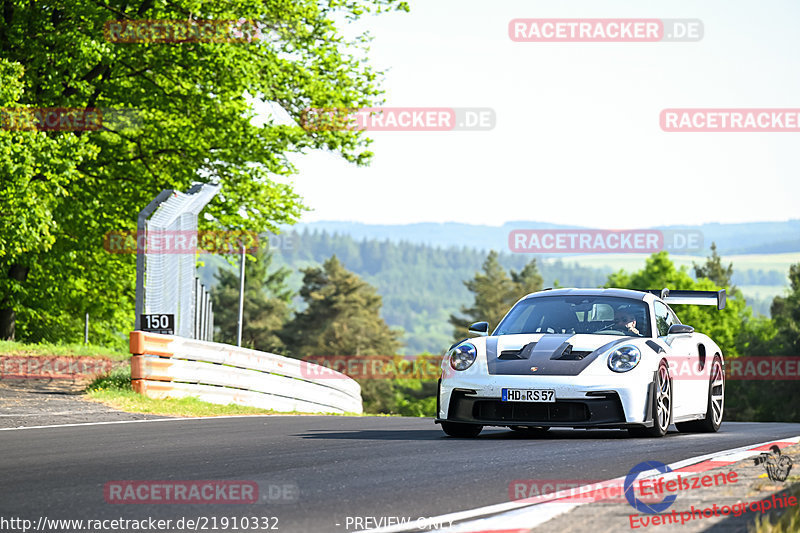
625,321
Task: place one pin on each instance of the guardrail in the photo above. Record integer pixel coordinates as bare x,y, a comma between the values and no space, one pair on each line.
167,366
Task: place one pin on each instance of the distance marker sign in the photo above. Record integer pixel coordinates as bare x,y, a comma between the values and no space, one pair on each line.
159,323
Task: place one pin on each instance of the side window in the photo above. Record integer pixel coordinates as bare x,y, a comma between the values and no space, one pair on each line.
674,317
664,319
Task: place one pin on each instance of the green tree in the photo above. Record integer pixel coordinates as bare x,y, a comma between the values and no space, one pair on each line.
660,272
341,317
759,336
267,303
756,335
712,269
494,292
769,401
785,311
491,288
36,173
527,280
193,105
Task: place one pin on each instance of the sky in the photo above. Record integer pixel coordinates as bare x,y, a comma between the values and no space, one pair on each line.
577,138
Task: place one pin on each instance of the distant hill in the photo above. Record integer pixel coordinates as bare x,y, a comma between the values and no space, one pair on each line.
756,237
774,247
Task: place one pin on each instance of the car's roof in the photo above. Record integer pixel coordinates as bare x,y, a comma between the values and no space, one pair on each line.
617,293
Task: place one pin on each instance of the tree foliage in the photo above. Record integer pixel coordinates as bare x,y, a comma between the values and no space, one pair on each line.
341,317
786,314
192,105
494,293
660,272
267,304
712,269
735,330
422,285
36,174
772,400
527,280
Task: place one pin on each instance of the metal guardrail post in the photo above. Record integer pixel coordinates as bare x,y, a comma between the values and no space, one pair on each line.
241,299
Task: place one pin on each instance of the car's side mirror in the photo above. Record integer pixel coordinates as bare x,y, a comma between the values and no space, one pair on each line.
479,328
677,329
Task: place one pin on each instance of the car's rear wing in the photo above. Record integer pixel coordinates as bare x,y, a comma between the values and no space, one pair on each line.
717,298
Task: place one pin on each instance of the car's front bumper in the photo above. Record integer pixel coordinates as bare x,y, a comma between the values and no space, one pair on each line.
580,402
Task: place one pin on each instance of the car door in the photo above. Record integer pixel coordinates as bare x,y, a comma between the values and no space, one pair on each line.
679,358
693,375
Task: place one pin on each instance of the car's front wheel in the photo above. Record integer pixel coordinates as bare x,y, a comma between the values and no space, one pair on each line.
464,431
662,405
715,405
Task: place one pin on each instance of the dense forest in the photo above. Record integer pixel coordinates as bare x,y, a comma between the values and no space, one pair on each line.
420,285
423,285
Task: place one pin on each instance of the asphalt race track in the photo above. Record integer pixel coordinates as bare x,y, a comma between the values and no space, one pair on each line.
341,466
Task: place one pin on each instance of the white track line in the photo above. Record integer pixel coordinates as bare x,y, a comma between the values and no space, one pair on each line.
543,508
519,519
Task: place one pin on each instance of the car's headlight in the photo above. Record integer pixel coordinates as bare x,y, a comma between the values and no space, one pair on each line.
624,358
462,356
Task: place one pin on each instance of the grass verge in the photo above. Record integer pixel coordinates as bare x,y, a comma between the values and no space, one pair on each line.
114,390
789,522
60,350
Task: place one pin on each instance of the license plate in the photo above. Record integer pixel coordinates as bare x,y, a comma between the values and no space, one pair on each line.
529,395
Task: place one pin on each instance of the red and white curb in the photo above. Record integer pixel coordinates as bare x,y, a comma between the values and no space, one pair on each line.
520,516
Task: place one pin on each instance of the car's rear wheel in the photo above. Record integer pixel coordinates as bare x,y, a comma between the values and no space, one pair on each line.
662,405
531,431
464,431
715,405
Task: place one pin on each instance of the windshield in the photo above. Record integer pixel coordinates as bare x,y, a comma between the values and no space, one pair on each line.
603,315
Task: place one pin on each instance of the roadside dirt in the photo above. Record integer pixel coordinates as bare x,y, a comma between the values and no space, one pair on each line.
752,484
44,402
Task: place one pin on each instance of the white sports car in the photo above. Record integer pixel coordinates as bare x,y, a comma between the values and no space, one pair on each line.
586,358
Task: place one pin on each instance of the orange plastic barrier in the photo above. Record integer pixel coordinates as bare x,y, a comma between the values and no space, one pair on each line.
151,344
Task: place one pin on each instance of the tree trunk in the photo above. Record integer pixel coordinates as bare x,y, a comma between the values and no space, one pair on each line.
8,318
7,324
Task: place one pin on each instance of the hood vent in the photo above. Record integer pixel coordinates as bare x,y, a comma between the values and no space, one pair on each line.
522,353
564,353
572,355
